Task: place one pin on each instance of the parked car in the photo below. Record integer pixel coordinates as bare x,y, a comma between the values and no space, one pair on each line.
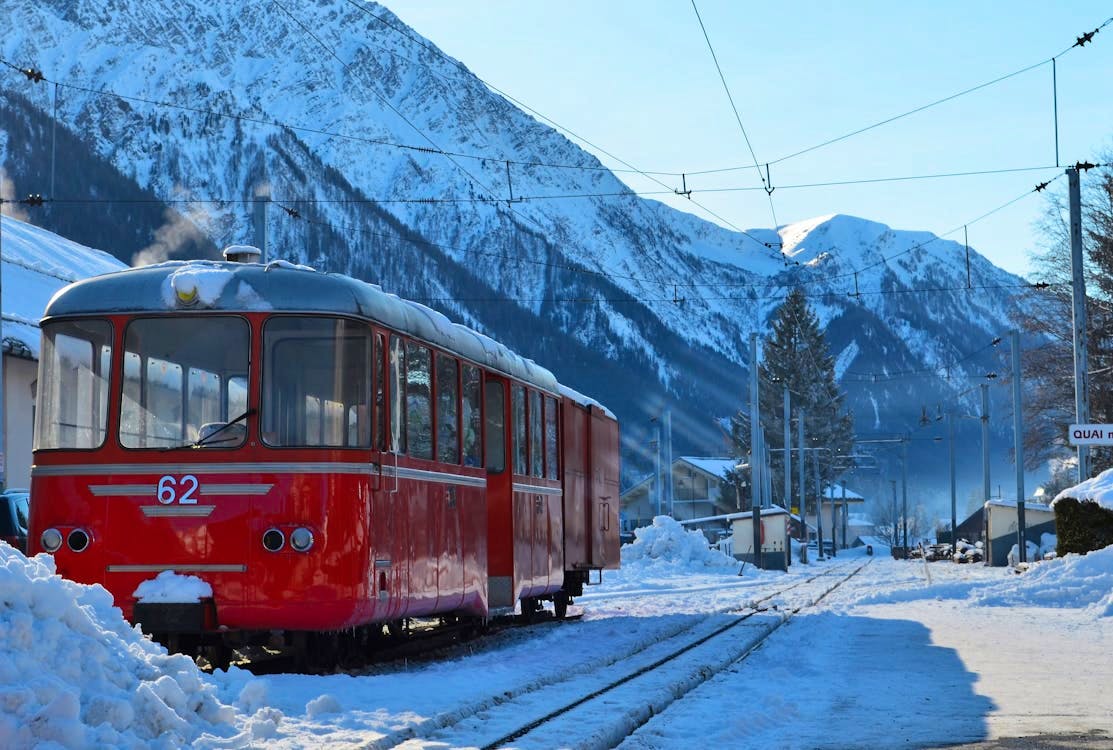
14,511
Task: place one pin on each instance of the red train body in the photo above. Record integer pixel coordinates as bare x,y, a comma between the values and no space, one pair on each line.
324,455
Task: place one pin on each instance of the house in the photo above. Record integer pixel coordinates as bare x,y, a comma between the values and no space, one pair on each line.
36,264
836,515
1001,527
697,492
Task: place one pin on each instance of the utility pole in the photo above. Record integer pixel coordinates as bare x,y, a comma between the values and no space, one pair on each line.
904,487
3,458
1078,295
985,442
818,508
788,448
951,452
757,480
668,462
803,495
896,534
262,198
657,464
1018,438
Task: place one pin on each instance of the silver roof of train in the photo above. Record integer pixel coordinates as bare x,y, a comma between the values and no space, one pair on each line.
281,286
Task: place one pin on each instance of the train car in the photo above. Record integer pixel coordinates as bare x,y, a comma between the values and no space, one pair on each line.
327,457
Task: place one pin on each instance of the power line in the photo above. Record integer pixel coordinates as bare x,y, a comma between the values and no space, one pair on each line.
737,117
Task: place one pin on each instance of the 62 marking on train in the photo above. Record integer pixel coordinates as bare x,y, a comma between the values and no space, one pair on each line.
169,486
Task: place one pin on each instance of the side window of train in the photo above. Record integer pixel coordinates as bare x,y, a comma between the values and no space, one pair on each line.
518,419
536,440
379,385
397,395
552,454
473,447
419,407
448,431
496,426
316,382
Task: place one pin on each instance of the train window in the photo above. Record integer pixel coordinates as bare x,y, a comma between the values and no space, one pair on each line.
419,408
448,442
397,395
316,382
72,409
172,389
536,428
496,427
473,447
378,384
518,420
552,454
237,395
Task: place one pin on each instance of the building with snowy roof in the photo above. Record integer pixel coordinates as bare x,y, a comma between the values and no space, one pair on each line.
36,264
697,485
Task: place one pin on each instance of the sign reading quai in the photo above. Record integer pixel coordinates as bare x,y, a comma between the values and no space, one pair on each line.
1091,434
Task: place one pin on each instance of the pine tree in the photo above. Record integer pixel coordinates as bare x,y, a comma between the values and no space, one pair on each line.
795,353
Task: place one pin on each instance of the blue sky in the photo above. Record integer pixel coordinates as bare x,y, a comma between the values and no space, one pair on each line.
637,79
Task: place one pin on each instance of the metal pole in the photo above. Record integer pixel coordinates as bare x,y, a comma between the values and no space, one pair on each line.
657,464
1018,438
788,449
3,458
757,479
1078,295
803,495
954,501
904,488
985,442
262,198
818,508
669,490
895,536
844,514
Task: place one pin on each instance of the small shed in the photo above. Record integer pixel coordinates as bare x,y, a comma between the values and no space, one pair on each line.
1001,525
776,553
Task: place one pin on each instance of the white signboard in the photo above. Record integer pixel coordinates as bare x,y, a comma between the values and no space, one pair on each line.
1091,434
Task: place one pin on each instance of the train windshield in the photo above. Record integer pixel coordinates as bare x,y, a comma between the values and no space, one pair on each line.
183,380
73,395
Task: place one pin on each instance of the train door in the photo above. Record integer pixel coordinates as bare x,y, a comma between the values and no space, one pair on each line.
500,492
603,463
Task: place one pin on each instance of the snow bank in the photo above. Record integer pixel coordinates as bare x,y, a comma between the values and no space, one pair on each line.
666,541
1097,489
1070,582
73,673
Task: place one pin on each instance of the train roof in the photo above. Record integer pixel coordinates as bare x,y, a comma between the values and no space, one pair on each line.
282,286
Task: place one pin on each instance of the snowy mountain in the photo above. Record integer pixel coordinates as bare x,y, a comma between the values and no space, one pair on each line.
171,116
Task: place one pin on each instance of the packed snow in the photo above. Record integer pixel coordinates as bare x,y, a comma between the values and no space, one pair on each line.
171,587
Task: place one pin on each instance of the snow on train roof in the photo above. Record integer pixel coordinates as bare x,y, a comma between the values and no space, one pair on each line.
283,286
583,400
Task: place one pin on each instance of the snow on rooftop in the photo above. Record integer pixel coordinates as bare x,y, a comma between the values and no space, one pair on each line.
1097,489
36,264
716,467
835,492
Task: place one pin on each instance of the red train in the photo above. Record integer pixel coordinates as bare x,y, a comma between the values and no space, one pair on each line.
329,458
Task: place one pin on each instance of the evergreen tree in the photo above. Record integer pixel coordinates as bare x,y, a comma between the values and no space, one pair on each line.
1048,364
795,353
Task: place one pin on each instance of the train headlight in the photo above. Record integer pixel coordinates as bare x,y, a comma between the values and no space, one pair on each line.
185,290
273,540
51,540
301,539
78,540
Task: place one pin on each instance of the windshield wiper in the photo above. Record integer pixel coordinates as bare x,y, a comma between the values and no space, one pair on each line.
201,441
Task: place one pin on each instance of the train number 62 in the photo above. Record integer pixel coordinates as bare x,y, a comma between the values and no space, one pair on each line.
169,486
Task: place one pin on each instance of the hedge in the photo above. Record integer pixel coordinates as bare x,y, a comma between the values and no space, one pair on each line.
1082,526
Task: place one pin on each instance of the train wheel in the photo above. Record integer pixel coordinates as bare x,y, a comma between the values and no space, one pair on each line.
219,655
531,606
560,604
395,629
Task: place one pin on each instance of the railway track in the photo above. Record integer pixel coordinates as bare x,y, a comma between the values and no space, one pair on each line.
727,635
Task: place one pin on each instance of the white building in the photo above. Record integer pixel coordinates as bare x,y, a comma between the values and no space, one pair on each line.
697,492
36,264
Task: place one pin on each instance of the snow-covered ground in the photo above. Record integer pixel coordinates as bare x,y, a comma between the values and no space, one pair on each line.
885,660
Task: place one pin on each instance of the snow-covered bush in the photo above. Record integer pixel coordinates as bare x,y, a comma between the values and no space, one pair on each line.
667,541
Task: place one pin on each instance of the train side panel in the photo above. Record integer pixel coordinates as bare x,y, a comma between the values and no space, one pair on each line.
603,499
